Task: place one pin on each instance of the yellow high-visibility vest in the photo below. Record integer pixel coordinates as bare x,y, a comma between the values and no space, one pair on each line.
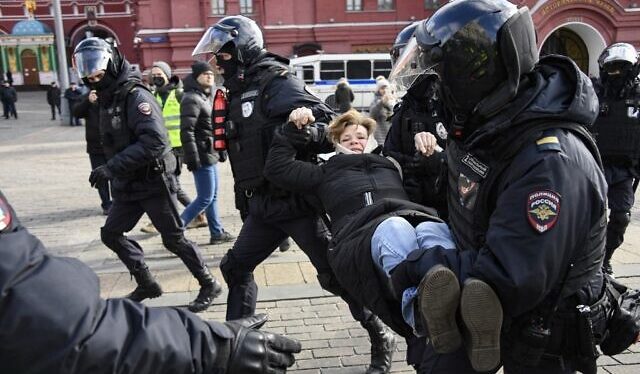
171,115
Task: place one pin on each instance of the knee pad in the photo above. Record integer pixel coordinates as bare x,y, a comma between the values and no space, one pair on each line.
619,220
110,238
233,273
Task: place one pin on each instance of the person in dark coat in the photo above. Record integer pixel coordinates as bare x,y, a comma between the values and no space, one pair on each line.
374,227
343,95
9,97
73,95
141,168
53,99
526,192
88,109
262,93
53,321
196,134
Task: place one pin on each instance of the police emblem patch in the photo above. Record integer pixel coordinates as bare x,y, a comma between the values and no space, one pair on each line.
441,130
5,215
543,209
144,108
247,108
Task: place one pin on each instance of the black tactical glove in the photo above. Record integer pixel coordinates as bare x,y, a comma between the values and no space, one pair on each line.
624,326
254,351
193,165
100,175
299,138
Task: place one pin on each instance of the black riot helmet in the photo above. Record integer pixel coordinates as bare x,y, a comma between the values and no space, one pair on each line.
240,35
618,64
479,49
401,41
94,54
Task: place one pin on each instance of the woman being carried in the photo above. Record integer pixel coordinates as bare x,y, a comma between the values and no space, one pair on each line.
374,227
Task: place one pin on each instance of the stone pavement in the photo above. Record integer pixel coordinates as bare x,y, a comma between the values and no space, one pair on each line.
44,171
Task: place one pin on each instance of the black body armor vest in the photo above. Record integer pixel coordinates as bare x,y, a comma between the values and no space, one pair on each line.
250,131
617,129
416,118
114,131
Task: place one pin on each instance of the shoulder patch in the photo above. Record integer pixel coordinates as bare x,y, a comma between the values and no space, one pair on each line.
543,210
144,108
548,143
5,215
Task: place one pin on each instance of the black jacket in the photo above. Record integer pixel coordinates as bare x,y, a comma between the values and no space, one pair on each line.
8,94
53,95
91,113
73,96
53,320
196,124
521,263
282,95
147,144
341,185
344,97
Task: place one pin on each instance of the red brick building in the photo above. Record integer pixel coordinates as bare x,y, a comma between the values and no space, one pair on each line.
103,18
169,30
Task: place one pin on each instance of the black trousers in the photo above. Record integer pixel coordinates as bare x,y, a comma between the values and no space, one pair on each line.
53,110
183,198
163,213
620,197
104,191
257,239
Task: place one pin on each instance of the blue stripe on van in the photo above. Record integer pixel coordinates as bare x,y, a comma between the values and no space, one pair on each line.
351,81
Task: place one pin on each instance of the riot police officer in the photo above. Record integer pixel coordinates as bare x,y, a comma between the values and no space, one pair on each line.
54,321
419,110
526,194
141,167
617,131
262,93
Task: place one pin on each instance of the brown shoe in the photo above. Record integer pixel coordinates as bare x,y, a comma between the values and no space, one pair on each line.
481,313
439,297
149,228
199,221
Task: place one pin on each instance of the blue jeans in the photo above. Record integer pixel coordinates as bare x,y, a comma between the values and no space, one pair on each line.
392,242
206,180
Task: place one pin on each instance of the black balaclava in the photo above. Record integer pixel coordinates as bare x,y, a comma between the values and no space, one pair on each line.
230,66
159,81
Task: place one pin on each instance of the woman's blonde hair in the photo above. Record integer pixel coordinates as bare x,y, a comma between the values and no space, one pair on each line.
351,117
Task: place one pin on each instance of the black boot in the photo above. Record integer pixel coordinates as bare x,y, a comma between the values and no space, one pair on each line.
383,344
147,288
209,289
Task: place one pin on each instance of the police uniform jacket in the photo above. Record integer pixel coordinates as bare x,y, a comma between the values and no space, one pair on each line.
135,139
53,319
91,113
258,105
358,192
527,197
196,124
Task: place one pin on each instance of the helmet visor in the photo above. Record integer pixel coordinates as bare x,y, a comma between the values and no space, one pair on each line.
89,61
409,66
212,40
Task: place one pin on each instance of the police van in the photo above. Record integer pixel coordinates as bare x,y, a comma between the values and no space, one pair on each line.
321,74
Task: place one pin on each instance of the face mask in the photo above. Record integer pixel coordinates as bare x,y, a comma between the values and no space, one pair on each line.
230,67
158,81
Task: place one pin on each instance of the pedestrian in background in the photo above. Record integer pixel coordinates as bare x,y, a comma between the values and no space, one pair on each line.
8,96
10,78
343,95
196,133
73,96
53,99
88,109
382,108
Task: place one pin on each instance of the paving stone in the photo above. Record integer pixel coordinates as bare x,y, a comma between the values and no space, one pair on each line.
332,352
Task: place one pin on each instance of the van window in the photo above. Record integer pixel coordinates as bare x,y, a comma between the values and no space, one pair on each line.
331,70
359,69
381,67
307,73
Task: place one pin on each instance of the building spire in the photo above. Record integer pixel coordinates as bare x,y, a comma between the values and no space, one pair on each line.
30,5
